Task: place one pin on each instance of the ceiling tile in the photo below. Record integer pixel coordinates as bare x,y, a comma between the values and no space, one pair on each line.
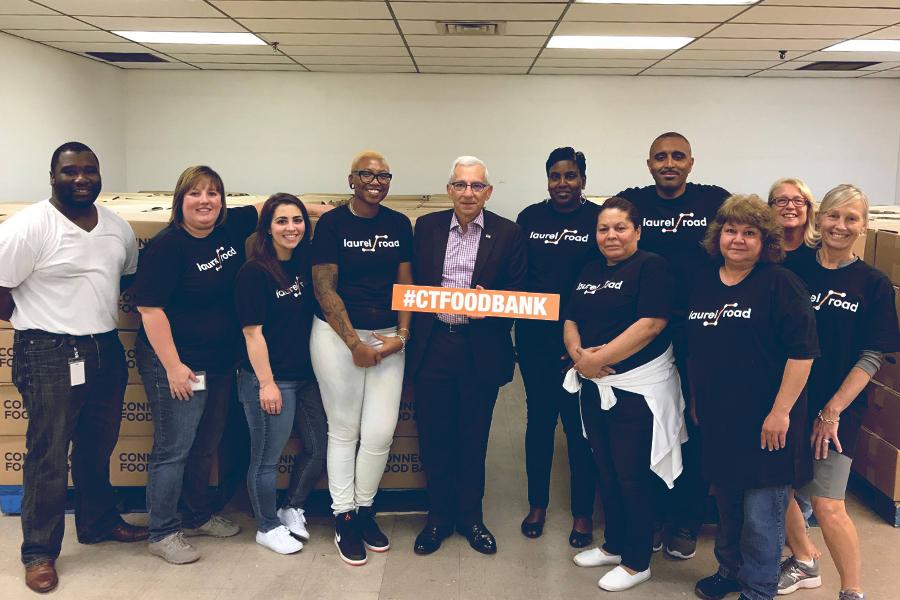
699,72
473,62
40,22
711,43
629,63
354,60
673,29
246,67
344,50
658,13
209,49
744,30
482,70
68,35
746,65
575,53
808,74
883,66
818,15
475,52
768,55
164,24
175,66
368,68
23,7
294,9
319,25
134,8
864,56
510,28
478,41
583,71
477,11
839,3
888,33
98,46
892,74
328,39
233,58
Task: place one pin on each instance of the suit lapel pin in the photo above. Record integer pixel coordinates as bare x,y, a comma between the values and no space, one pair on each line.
487,235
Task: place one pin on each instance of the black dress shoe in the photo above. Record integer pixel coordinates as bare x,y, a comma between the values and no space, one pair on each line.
480,538
532,530
430,538
122,532
580,540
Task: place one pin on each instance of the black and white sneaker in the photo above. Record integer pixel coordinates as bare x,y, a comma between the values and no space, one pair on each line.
372,536
347,539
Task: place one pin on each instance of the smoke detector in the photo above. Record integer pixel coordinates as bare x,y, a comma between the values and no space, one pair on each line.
470,27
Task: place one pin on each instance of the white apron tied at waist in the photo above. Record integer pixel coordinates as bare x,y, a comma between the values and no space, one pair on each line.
658,382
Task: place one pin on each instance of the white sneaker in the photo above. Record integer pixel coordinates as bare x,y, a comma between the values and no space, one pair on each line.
217,526
174,549
619,579
596,557
279,540
295,521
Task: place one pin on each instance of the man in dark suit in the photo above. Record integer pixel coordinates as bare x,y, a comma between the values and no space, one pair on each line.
459,363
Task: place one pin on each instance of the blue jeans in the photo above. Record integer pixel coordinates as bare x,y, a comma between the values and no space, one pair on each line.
88,415
750,537
185,436
301,407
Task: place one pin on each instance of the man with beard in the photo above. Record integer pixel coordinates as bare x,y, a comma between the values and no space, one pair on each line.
64,262
675,214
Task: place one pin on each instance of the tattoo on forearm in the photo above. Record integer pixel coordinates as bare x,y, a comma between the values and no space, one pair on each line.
325,280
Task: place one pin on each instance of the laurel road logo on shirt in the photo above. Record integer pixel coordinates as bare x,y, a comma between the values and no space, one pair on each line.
379,241
591,288
221,256
835,299
296,290
711,319
672,225
569,235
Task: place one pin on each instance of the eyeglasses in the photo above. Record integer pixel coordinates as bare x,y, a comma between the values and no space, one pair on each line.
369,176
783,201
460,186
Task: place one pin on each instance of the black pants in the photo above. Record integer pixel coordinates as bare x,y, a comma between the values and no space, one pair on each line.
453,412
621,439
88,416
682,507
539,346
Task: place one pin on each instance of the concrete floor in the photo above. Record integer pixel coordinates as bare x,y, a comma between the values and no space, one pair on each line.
239,569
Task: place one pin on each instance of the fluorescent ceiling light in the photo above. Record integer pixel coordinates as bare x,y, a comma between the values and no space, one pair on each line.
618,42
192,37
709,2
866,46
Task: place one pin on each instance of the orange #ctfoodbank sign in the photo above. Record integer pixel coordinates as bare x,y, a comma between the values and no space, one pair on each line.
478,303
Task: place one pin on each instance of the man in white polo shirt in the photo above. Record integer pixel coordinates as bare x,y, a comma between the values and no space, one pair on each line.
63,262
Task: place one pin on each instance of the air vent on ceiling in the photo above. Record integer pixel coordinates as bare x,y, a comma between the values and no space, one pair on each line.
470,27
836,65
126,57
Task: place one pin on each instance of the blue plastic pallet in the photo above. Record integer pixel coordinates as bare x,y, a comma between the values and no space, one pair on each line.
11,499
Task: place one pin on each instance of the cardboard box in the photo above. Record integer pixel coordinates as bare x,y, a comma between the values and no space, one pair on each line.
887,254
883,413
13,416
128,338
6,355
864,246
406,422
12,460
129,317
889,373
130,459
878,462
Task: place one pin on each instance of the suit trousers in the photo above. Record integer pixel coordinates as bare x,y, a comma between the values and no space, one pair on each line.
453,412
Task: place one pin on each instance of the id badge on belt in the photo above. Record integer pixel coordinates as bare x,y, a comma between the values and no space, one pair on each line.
76,370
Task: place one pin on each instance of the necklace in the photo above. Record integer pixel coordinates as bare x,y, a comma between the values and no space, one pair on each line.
350,206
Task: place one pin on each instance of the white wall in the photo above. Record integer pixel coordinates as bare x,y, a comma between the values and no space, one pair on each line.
267,132
48,97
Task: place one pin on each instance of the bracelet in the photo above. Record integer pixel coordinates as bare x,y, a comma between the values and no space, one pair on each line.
403,339
406,329
822,418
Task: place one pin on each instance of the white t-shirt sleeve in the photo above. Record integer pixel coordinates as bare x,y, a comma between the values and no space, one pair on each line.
131,252
16,253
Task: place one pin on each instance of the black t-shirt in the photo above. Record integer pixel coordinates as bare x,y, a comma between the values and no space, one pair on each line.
801,254
192,280
606,300
285,313
854,308
367,252
674,229
558,245
739,340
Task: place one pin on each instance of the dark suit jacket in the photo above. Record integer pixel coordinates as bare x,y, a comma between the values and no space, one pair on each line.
499,265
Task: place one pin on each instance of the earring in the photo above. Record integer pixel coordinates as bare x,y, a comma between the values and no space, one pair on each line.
351,185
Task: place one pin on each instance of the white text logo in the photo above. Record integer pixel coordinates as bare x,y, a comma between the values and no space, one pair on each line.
570,235
711,319
672,225
833,298
380,241
221,256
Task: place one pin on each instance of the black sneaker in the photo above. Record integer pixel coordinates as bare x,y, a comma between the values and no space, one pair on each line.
347,539
716,587
682,544
372,536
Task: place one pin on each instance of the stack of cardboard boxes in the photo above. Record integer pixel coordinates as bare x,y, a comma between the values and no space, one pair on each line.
148,213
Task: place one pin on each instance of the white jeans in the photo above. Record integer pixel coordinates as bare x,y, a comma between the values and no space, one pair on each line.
362,406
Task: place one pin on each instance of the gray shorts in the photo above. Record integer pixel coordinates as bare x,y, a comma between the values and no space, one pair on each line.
829,477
